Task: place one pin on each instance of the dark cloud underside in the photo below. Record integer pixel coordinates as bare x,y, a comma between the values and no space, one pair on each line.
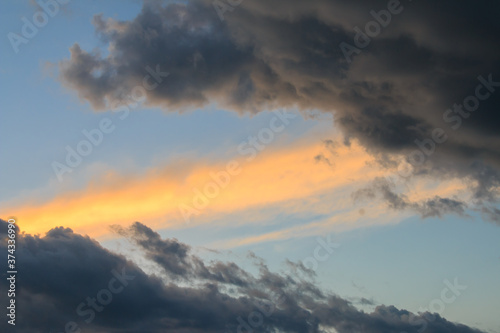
62,269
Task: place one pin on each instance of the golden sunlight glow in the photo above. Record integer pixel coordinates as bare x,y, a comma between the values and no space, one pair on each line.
191,193
165,197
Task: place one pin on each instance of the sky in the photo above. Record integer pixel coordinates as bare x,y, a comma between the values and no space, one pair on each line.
251,166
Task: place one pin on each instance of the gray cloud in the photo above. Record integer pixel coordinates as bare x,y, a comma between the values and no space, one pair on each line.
491,213
434,207
330,155
269,54
61,269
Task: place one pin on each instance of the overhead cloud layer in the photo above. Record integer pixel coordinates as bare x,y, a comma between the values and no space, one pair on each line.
70,280
435,65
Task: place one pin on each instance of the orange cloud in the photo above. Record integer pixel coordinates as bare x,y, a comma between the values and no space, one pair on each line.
160,196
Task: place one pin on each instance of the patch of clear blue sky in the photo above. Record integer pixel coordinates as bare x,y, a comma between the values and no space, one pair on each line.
38,118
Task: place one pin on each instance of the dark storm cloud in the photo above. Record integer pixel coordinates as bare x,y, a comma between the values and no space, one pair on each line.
176,260
60,270
282,53
434,207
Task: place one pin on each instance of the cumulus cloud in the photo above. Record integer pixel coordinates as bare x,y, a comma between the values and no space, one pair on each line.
273,54
63,270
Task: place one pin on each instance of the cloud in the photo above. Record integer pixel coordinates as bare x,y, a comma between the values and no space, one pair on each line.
176,261
275,54
491,213
62,270
278,174
433,207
